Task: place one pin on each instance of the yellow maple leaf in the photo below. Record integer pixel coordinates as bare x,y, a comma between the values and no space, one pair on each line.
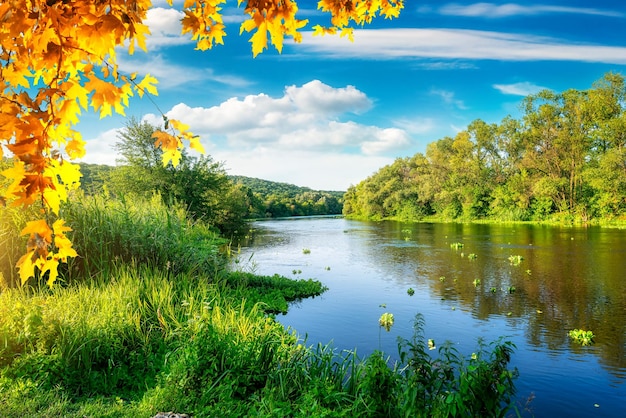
170,145
26,266
147,84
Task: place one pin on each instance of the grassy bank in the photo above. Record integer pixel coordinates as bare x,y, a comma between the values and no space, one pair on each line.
149,319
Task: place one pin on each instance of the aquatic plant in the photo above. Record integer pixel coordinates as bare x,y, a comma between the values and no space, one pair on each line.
386,321
327,268
476,282
515,260
456,245
472,256
581,336
410,291
452,385
493,289
306,251
511,289
442,278
431,344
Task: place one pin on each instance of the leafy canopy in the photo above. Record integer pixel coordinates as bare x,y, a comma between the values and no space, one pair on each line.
58,59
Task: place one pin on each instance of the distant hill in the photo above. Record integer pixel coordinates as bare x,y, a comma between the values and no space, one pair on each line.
267,186
273,199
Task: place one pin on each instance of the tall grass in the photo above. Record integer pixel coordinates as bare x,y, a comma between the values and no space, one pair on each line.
132,229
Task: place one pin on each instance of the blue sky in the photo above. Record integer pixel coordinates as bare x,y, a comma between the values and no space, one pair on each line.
328,112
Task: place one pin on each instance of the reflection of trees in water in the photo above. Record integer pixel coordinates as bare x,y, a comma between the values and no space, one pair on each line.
569,278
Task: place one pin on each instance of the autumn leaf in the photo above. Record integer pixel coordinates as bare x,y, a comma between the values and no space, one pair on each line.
147,85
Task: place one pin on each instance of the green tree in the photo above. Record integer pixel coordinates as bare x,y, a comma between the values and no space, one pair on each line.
197,182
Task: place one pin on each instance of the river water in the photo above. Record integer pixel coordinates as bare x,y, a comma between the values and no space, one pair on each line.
568,278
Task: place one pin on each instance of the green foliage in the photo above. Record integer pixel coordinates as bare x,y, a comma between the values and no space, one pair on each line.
581,336
516,260
452,385
274,200
562,161
198,183
386,321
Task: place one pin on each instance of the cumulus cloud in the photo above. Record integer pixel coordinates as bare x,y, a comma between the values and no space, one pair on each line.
317,97
304,117
492,10
165,28
518,89
458,44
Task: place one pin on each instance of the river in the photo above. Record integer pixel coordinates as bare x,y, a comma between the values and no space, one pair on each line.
566,278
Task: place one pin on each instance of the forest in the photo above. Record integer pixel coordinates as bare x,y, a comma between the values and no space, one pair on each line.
562,160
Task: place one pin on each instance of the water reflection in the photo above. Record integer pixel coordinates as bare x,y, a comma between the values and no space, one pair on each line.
569,277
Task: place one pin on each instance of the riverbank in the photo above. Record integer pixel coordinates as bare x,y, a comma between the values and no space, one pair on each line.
562,221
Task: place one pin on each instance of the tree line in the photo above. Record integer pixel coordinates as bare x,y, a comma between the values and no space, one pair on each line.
564,159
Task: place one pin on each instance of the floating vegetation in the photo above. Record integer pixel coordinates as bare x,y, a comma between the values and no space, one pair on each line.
511,289
442,278
582,337
472,256
515,260
410,291
296,271
528,272
431,344
306,251
327,268
386,321
494,290
456,245
476,282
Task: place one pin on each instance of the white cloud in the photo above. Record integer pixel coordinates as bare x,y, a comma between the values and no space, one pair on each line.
171,74
518,89
455,44
449,98
305,117
318,97
165,28
99,150
492,10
